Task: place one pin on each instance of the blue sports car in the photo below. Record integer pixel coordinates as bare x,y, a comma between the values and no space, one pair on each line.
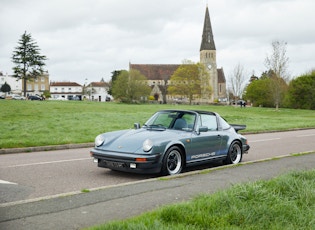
170,141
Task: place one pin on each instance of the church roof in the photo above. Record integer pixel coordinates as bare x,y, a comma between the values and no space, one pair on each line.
221,76
165,71
155,71
207,42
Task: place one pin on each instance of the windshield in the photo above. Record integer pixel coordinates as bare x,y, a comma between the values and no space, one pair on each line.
178,120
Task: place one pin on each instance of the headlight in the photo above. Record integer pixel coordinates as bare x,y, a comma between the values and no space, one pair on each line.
99,140
147,145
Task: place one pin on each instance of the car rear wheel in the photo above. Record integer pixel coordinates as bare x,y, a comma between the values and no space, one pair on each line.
234,155
172,162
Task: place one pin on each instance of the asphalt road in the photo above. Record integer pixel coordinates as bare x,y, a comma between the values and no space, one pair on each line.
40,174
128,195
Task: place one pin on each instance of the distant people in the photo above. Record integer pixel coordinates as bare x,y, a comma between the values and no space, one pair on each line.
242,103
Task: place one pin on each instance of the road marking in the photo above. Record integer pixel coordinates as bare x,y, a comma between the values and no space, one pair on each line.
48,162
273,139
6,182
306,135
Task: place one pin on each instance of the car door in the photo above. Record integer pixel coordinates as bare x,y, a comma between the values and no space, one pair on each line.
205,145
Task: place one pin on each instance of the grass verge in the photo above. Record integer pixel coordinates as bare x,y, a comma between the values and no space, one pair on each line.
285,202
42,123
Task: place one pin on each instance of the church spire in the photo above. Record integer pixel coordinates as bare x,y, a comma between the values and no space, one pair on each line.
207,42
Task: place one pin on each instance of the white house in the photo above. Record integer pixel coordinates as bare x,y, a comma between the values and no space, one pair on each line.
14,83
66,91
97,91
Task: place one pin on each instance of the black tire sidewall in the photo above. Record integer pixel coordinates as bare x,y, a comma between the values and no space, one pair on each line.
164,170
228,157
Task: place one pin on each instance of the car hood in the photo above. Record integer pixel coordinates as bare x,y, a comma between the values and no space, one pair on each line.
131,140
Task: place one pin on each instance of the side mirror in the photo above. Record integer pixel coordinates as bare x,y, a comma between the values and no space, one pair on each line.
136,125
203,129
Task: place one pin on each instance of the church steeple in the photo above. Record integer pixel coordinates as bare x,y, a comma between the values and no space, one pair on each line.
207,42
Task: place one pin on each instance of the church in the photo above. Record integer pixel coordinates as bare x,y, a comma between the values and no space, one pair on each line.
159,75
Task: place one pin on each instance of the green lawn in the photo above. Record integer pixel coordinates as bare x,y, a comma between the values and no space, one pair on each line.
285,202
40,123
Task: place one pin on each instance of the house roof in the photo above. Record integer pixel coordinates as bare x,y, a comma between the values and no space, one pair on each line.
98,84
64,84
155,71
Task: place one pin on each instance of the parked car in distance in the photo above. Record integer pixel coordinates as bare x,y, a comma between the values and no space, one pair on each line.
2,97
34,97
18,97
170,141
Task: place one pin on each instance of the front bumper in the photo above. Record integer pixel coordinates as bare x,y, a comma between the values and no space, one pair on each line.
127,162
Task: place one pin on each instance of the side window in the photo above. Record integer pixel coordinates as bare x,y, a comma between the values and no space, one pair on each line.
210,121
224,124
190,119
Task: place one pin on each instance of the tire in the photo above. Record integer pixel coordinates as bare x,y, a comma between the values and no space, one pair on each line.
172,161
234,155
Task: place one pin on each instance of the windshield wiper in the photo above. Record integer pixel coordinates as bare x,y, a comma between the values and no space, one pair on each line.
155,126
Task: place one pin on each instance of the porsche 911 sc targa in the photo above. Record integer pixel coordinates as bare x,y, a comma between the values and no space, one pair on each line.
170,141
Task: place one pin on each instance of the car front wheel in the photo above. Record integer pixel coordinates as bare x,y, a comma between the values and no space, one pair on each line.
234,155
172,162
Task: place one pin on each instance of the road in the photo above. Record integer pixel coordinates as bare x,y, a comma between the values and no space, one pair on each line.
39,174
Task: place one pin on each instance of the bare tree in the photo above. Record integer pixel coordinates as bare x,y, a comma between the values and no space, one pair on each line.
277,62
237,81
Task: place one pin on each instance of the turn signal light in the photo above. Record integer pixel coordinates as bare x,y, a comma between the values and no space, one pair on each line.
141,159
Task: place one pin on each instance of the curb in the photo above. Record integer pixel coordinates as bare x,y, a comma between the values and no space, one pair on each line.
91,144
46,148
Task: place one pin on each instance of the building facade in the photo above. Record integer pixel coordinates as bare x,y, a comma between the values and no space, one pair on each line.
15,85
37,86
97,91
159,75
66,91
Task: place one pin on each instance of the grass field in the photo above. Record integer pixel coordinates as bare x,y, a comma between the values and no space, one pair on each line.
285,202
41,123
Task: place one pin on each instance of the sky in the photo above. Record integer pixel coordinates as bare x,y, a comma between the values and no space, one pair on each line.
86,40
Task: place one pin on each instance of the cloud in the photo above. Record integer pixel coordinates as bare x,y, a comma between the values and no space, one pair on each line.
90,39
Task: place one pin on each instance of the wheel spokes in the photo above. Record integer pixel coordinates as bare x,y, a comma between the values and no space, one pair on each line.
174,162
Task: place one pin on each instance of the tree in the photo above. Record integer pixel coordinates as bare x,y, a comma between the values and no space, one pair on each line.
29,62
190,79
6,88
301,92
237,81
115,75
277,62
130,86
258,92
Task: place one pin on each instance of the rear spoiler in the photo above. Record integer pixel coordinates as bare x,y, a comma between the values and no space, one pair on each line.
238,127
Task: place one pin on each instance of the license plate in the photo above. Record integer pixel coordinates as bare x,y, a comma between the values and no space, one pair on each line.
115,164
